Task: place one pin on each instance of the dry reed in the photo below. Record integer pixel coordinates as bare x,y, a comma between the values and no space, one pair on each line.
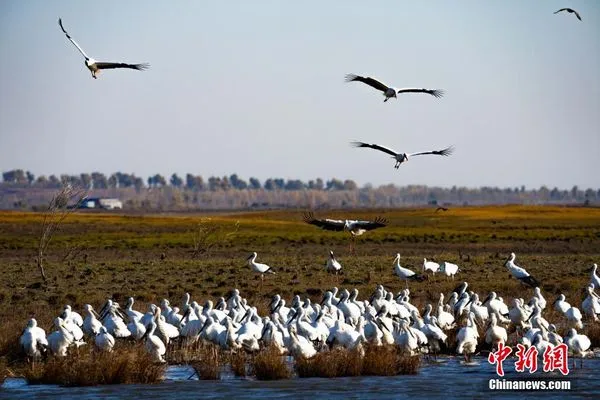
87,367
269,365
237,361
208,366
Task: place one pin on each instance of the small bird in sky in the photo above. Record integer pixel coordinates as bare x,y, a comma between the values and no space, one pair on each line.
570,11
95,66
390,92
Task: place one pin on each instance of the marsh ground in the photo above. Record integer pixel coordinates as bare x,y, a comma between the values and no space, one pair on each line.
95,256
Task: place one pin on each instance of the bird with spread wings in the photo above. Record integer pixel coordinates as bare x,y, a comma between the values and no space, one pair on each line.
96,66
569,10
403,157
355,227
390,92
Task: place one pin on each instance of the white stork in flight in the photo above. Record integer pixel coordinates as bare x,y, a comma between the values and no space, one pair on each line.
95,66
402,157
355,227
569,10
390,92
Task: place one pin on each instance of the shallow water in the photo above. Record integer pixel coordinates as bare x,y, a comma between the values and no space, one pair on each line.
448,379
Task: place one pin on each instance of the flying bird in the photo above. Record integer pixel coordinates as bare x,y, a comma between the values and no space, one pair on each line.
390,92
95,66
402,157
569,10
355,227
441,209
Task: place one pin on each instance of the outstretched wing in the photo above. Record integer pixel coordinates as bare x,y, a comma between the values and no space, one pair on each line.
110,65
379,222
71,39
375,146
577,15
562,9
434,92
369,81
327,224
445,152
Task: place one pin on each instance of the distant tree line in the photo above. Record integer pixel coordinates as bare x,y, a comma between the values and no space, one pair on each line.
22,189
97,180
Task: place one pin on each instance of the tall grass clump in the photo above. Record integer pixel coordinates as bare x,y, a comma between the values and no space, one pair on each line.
380,361
373,360
88,367
237,361
592,330
330,364
208,366
270,365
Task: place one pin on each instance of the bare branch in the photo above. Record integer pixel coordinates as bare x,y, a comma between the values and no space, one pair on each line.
58,210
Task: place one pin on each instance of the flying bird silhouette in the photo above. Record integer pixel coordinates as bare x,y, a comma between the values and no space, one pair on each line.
403,157
390,92
95,66
569,10
355,227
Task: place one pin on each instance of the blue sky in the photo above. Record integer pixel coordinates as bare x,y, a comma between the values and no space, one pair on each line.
257,88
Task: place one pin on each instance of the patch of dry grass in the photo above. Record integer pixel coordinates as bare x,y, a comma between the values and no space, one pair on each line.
592,330
88,367
330,364
373,361
270,365
238,363
208,366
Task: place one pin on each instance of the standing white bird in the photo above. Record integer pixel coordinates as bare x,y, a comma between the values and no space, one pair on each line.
467,339
333,265
104,340
595,278
495,333
520,273
95,66
33,340
390,92
91,323
154,345
591,304
258,267
578,344
561,305
403,157
405,273
430,266
449,269
60,340
538,294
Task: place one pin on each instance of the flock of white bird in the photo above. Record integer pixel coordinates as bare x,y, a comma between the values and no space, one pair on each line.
305,328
